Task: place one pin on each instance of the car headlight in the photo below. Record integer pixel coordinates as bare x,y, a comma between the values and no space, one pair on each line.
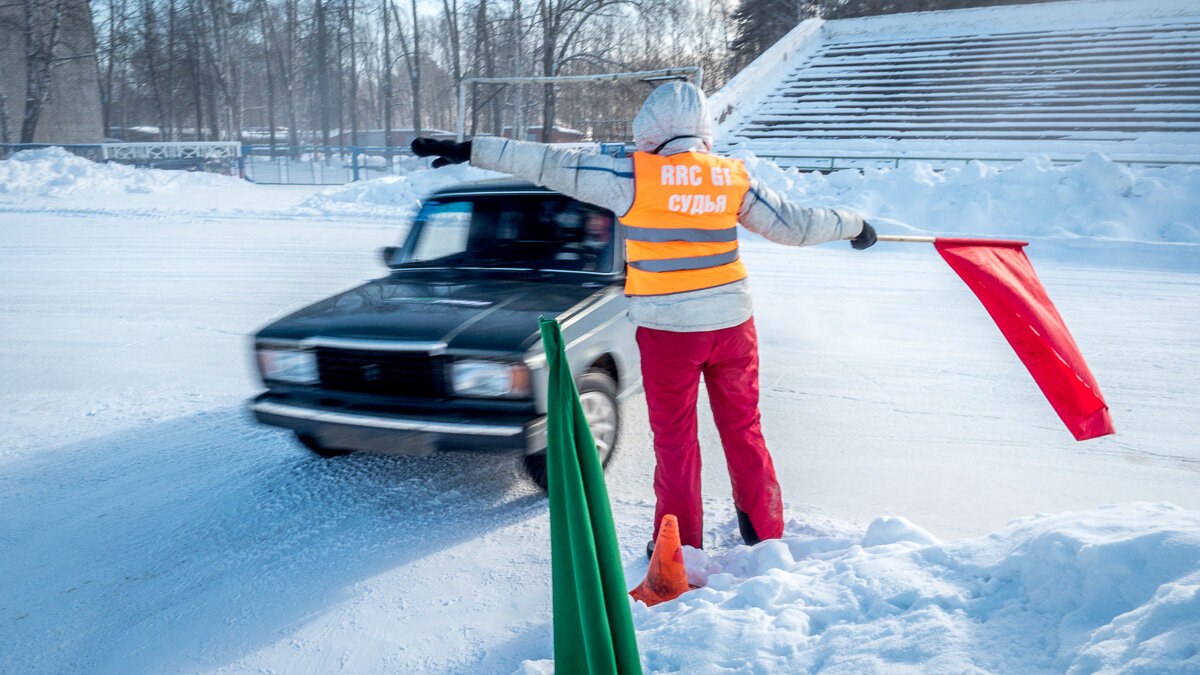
490,379
280,364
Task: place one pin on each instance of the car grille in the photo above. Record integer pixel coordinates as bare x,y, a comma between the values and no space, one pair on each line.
415,374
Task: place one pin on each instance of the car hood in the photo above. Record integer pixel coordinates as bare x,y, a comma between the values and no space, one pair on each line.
497,315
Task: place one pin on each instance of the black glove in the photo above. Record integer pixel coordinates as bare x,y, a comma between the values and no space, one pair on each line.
447,152
865,239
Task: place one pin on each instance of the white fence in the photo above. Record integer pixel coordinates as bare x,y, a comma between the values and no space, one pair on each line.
145,152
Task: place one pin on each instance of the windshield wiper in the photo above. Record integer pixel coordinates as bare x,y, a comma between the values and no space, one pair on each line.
496,263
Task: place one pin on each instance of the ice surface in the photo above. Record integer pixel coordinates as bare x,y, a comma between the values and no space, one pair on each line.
149,526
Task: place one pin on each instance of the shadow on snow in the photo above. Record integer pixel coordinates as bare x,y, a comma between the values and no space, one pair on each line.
192,542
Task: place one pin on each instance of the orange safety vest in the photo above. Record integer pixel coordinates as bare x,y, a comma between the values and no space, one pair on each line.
681,232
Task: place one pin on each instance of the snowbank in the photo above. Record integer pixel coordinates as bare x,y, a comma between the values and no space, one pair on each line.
393,195
1094,198
1117,588
54,172
54,179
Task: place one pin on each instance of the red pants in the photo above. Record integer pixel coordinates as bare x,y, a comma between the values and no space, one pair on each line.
672,363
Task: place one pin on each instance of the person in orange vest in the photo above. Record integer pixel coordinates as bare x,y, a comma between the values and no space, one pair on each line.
679,206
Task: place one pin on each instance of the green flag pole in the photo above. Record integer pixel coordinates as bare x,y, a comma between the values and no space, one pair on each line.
593,629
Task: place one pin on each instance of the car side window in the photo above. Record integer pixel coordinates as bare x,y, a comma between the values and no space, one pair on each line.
598,240
445,231
583,233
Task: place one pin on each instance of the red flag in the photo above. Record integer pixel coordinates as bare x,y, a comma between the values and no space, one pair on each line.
1004,281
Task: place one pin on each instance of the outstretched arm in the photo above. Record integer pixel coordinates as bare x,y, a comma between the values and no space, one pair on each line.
608,182
591,177
768,213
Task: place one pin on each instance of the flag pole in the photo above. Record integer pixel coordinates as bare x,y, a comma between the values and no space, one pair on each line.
908,238
950,240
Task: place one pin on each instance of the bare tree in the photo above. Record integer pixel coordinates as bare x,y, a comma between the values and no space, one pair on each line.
40,45
322,67
268,43
4,137
562,21
486,64
387,77
349,7
517,35
309,65
450,16
112,54
287,69
412,59
150,54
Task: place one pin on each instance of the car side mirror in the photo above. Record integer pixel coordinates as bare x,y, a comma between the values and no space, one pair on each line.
387,254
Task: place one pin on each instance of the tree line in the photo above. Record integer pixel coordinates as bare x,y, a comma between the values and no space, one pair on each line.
325,71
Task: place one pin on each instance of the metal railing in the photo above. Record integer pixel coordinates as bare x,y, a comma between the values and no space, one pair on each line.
151,152
829,163
323,164
209,156
266,164
340,164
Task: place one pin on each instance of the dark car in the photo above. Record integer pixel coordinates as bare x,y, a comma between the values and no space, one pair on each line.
444,353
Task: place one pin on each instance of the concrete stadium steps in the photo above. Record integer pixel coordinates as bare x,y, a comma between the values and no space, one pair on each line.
1110,82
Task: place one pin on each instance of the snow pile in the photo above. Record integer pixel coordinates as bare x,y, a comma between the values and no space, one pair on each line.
1094,198
54,172
1113,588
396,195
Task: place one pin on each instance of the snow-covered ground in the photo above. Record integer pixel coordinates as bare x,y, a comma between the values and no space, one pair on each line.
149,526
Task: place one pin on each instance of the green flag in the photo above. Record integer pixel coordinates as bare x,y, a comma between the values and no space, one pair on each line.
593,630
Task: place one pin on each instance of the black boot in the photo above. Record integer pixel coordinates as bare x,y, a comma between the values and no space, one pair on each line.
650,549
748,534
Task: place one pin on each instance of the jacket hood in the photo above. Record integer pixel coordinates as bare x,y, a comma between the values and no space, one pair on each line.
672,110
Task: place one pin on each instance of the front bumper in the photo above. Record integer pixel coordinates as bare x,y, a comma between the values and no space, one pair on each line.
402,434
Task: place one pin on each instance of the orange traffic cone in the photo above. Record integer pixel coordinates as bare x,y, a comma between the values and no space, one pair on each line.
667,577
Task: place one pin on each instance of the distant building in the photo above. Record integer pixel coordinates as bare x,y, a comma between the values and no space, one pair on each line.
401,138
72,112
139,134
610,130
557,134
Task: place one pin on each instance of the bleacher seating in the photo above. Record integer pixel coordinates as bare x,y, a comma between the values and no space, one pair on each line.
1120,83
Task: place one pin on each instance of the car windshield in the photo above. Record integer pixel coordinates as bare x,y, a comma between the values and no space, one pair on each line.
536,232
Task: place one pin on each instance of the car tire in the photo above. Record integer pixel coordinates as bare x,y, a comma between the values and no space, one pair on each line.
598,395
313,444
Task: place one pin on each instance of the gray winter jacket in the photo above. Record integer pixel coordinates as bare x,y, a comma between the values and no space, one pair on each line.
674,119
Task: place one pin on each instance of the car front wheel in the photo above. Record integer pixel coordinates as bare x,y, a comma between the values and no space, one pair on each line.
598,396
